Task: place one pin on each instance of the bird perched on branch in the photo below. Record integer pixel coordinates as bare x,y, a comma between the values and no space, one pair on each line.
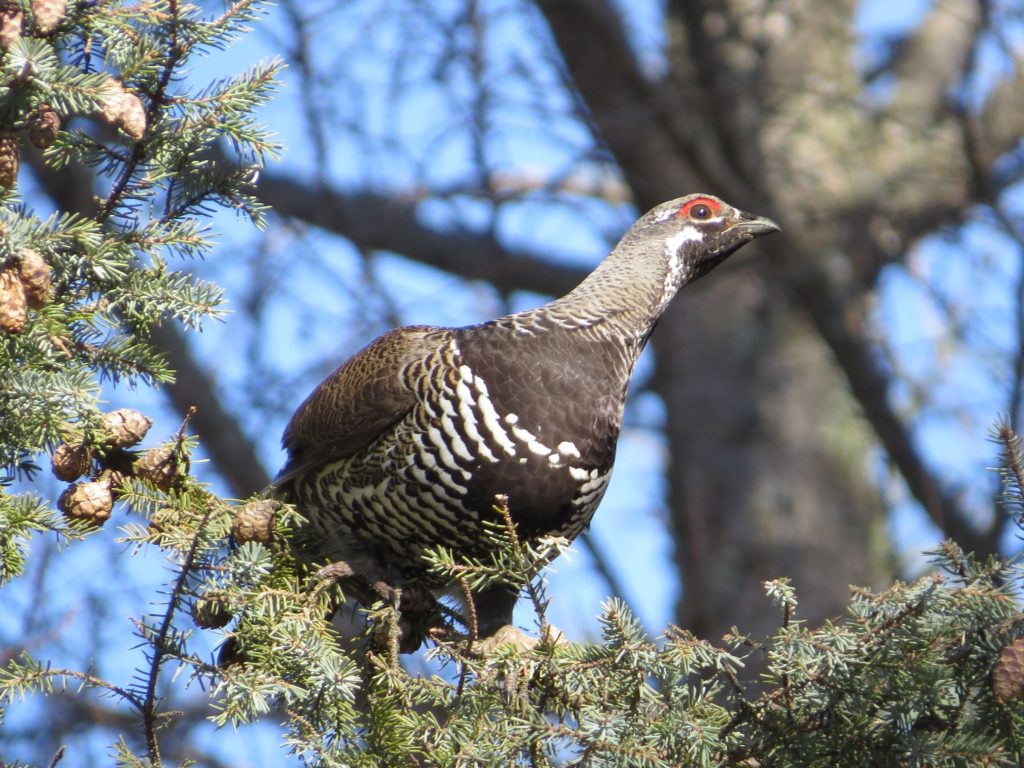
406,445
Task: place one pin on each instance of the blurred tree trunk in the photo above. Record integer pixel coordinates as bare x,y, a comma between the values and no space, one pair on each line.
767,471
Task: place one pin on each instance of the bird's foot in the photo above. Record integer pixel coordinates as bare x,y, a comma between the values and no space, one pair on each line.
506,635
359,579
418,610
415,606
510,635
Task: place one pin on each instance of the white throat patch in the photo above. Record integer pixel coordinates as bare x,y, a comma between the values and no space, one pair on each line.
674,274
684,235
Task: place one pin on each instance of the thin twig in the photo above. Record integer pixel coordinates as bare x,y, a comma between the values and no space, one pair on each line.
184,424
95,682
474,630
536,596
149,705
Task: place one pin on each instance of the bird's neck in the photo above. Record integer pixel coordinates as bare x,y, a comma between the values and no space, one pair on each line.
623,297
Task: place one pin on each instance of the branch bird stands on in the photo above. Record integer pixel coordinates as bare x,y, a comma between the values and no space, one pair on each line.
405,446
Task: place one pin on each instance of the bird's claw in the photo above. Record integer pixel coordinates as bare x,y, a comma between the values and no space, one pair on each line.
509,635
361,580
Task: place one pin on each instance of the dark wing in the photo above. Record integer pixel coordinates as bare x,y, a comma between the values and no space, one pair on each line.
355,404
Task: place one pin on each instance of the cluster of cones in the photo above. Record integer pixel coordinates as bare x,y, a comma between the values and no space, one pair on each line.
43,123
44,18
97,470
118,106
107,463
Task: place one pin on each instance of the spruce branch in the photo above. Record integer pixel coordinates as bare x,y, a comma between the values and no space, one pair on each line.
105,277
24,674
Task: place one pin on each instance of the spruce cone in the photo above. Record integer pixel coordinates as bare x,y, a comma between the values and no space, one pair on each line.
133,116
70,462
90,501
9,160
48,14
123,109
13,303
110,101
11,18
161,467
43,126
254,522
35,278
1008,674
125,427
210,613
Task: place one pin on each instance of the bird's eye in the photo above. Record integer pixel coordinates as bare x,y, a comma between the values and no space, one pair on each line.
700,209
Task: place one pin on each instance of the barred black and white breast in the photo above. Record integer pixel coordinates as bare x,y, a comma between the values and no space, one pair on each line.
405,446
477,420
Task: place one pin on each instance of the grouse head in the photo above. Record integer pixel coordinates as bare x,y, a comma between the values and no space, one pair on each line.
698,232
669,246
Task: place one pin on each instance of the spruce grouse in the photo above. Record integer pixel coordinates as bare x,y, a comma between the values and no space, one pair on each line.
405,446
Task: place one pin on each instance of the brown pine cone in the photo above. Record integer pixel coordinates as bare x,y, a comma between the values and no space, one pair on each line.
35,277
161,467
123,109
48,14
43,126
210,613
133,116
13,303
254,522
1008,674
110,100
125,427
69,462
9,160
91,501
11,20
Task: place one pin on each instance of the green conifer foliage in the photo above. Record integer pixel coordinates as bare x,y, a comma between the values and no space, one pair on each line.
103,90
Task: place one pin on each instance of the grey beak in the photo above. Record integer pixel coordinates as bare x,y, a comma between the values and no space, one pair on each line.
756,226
